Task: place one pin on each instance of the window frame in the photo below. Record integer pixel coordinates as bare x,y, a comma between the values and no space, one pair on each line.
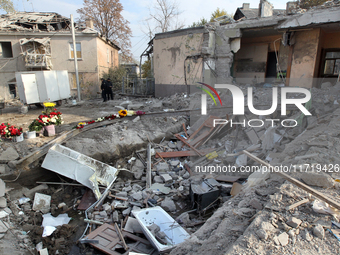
324,59
71,51
10,43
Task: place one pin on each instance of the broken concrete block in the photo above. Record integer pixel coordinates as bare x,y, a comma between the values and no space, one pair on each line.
126,211
3,214
3,202
158,179
294,222
9,155
318,179
166,178
168,205
135,106
184,218
306,236
256,204
154,228
137,196
174,162
172,145
253,137
137,187
115,216
318,231
136,119
283,238
103,214
32,192
138,174
122,194
186,175
162,167
262,234
3,228
241,160
125,104
2,188
127,189
133,226
2,168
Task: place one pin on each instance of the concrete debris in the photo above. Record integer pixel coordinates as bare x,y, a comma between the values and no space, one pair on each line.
294,222
306,235
256,204
2,188
283,238
319,232
168,205
3,202
9,155
318,179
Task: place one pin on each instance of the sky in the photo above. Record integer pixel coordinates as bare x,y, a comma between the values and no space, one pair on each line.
137,12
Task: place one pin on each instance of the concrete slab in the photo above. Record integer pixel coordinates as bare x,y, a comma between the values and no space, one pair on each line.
3,202
9,155
2,188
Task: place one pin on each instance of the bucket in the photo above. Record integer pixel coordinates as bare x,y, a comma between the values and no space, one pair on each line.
74,102
49,130
18,138
31,134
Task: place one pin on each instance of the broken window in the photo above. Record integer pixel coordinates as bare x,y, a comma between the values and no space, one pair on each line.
331,63
6,50
37,52
78,48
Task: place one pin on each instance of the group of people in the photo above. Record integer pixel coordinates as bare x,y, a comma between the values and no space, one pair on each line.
106,88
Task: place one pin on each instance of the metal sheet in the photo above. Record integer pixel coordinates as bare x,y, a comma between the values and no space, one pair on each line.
76,166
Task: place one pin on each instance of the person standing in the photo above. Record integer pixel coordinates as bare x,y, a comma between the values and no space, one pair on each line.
109,89
103,87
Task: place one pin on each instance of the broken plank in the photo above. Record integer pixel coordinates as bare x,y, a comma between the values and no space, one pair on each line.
297,183
177,154
186,143
303,201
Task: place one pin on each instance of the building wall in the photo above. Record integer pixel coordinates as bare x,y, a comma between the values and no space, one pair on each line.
169,57
304,58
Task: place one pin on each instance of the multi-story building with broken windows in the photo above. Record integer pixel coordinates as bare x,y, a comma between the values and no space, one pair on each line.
43,41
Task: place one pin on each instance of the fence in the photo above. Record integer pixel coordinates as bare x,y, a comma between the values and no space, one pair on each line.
138,86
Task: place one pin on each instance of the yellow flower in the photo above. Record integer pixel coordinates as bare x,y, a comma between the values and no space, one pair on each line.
49,104
122,113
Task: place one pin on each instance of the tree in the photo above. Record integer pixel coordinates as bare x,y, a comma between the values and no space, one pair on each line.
146,69
219,13
165,14
7,6
305,4
199,23
108,20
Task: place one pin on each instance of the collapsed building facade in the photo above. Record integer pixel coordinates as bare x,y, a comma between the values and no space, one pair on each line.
294,48
43,41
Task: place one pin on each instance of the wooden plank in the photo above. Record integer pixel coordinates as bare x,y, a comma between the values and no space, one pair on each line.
148,173
303,201
297,183
178,154
186,143
22,163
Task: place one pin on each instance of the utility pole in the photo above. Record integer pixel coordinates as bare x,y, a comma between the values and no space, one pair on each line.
75,57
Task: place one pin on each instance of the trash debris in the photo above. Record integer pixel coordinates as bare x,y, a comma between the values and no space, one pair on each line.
50,223
41,203
79,167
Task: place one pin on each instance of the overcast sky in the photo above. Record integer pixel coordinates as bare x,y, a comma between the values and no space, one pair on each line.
137,11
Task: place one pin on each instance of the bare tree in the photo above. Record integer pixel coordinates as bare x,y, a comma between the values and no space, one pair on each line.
165,14
7,6
108,20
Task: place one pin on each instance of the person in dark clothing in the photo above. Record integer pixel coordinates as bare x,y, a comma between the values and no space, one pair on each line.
103,87
109,89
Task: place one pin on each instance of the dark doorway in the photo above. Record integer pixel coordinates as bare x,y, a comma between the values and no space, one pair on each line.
271,65
12,90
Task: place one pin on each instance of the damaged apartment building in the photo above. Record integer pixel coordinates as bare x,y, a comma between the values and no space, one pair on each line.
32,42
292,47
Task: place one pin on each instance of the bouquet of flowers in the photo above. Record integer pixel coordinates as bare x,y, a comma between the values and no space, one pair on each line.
9,131
50,116
36,125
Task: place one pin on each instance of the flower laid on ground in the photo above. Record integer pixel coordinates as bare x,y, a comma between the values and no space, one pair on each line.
50,116
122,113
9,131
140,113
